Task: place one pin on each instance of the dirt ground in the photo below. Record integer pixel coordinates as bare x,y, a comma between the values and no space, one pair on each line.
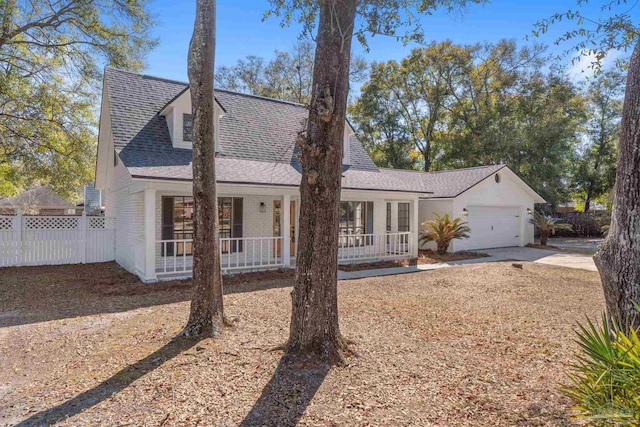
476,345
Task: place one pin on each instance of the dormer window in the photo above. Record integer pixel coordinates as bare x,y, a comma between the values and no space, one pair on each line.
187,127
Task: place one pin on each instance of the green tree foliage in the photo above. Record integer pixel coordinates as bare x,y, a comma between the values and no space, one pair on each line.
595,36
464,106
288,76
595,171
379,121
51,57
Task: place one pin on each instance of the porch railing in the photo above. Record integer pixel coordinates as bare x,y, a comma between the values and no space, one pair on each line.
355,247
175,256
247,253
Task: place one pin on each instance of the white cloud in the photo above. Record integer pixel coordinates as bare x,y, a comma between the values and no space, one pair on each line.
582,68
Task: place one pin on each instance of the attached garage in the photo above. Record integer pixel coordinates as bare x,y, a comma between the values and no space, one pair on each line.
493,227
496,203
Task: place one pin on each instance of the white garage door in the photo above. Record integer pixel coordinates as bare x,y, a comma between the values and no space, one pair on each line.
493,227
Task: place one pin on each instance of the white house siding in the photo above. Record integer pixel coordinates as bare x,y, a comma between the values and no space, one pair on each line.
426,213
127,209
254,224
508,197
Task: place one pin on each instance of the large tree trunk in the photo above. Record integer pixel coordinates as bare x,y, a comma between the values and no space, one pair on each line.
618,258
314,317
206,316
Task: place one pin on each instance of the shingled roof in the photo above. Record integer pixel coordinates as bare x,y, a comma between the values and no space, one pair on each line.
39,197
257,140
448,183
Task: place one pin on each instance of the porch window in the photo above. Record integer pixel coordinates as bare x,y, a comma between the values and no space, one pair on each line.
356,219
177,223
403,217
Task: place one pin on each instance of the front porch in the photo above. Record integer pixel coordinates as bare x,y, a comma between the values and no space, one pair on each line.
261,253
259,229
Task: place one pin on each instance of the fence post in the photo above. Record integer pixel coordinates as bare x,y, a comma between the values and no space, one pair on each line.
83,227
19,237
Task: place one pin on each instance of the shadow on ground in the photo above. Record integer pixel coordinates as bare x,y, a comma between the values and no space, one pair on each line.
106,389
287,395
43,293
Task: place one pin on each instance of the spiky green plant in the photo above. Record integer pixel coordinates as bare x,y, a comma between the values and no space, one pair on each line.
547,226
605,380
443,230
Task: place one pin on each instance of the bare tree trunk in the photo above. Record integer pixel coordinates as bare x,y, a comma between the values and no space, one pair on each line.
314,317
618,258
426,154
206,316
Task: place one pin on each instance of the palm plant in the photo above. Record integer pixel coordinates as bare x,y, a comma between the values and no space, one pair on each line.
443,230
547,226
604,382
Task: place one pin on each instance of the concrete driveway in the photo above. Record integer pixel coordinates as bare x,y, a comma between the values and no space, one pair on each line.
543,256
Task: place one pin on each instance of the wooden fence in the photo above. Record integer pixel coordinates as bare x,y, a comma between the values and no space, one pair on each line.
49,240
584,224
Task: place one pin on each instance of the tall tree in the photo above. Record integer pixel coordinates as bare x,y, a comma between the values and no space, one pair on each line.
288,76
595,170
206,317
472,105
314,319
618,257
415,94
51,56
379,122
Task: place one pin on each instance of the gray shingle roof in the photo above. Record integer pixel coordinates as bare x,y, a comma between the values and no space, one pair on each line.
450,183
257,140
253,128
38,197
278,173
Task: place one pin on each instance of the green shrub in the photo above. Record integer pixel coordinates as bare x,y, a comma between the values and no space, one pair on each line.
605,380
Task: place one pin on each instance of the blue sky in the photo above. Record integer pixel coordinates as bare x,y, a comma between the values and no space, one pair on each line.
241,32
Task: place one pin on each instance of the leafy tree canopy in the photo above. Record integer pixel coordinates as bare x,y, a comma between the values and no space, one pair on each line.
288,76
449,106
594,172
595,36
395,18
51,58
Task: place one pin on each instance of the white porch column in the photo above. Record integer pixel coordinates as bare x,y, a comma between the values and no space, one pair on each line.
394,217
414,226
150,235
285,230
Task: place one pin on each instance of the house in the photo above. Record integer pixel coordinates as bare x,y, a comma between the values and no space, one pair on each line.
37,201
144,167
570,207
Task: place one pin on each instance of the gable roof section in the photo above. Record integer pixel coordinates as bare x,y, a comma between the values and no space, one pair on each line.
452,183
43,197
253,128
449,184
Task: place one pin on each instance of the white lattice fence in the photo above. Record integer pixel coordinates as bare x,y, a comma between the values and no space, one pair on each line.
44,240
